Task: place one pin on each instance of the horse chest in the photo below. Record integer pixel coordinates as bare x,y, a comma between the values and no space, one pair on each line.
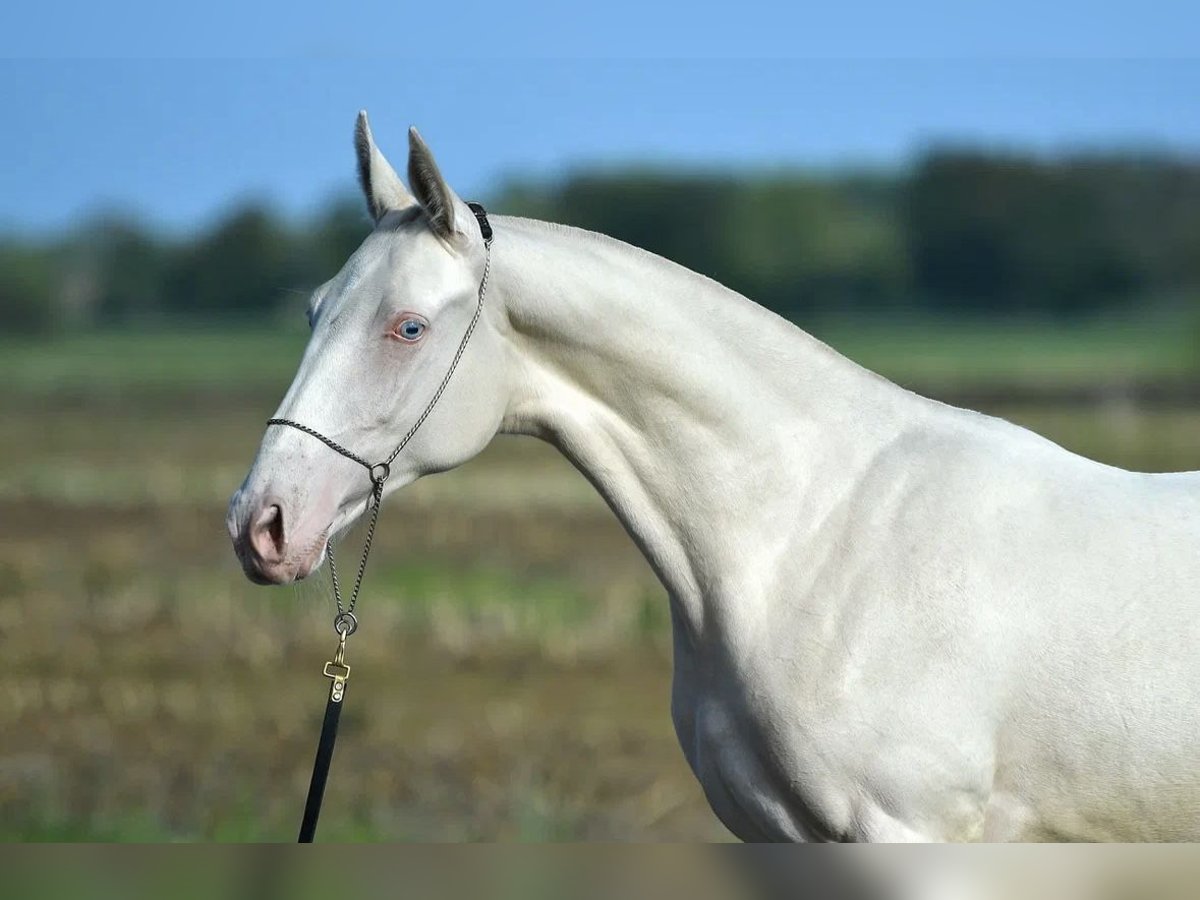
745,764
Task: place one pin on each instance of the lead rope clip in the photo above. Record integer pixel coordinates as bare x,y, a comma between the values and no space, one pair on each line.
338,670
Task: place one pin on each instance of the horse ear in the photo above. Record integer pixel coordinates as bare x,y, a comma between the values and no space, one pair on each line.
445,210
380,184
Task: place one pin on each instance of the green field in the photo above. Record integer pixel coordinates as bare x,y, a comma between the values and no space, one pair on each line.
936,355
949,357
512,675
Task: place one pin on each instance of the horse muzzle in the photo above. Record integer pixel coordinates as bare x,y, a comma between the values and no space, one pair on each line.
271,542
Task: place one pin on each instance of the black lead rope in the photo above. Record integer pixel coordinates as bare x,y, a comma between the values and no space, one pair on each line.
339,672
345,623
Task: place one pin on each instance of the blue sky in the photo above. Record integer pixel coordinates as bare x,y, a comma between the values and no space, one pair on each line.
179,140
554,29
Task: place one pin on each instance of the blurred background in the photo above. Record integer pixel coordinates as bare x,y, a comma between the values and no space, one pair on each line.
1021,237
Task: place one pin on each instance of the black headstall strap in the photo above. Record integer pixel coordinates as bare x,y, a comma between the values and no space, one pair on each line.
345,623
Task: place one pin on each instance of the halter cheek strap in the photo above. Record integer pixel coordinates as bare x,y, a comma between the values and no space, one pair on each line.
345,623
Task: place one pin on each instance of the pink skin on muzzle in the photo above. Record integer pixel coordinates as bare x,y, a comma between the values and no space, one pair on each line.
278,540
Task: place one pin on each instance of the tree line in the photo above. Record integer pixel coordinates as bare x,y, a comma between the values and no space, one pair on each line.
959,233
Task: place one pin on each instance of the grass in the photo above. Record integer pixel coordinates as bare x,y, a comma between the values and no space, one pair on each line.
170,360
949,356
511,679
510,682
934,354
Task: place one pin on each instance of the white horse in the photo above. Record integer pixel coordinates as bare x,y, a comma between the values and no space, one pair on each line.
893,619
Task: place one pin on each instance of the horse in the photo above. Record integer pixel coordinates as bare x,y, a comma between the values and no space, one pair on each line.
892,619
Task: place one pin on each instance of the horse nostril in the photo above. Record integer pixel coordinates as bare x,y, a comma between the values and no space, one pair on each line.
267,536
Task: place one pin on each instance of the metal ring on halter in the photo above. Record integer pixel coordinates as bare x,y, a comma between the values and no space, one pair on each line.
345,623
387,471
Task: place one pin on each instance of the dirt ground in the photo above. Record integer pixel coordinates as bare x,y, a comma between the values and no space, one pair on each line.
511,679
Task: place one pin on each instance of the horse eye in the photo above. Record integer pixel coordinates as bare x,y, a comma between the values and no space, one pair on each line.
410,329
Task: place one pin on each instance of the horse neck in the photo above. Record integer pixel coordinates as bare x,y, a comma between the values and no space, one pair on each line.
699,416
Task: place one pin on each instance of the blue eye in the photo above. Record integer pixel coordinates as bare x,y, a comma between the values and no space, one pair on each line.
410,329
